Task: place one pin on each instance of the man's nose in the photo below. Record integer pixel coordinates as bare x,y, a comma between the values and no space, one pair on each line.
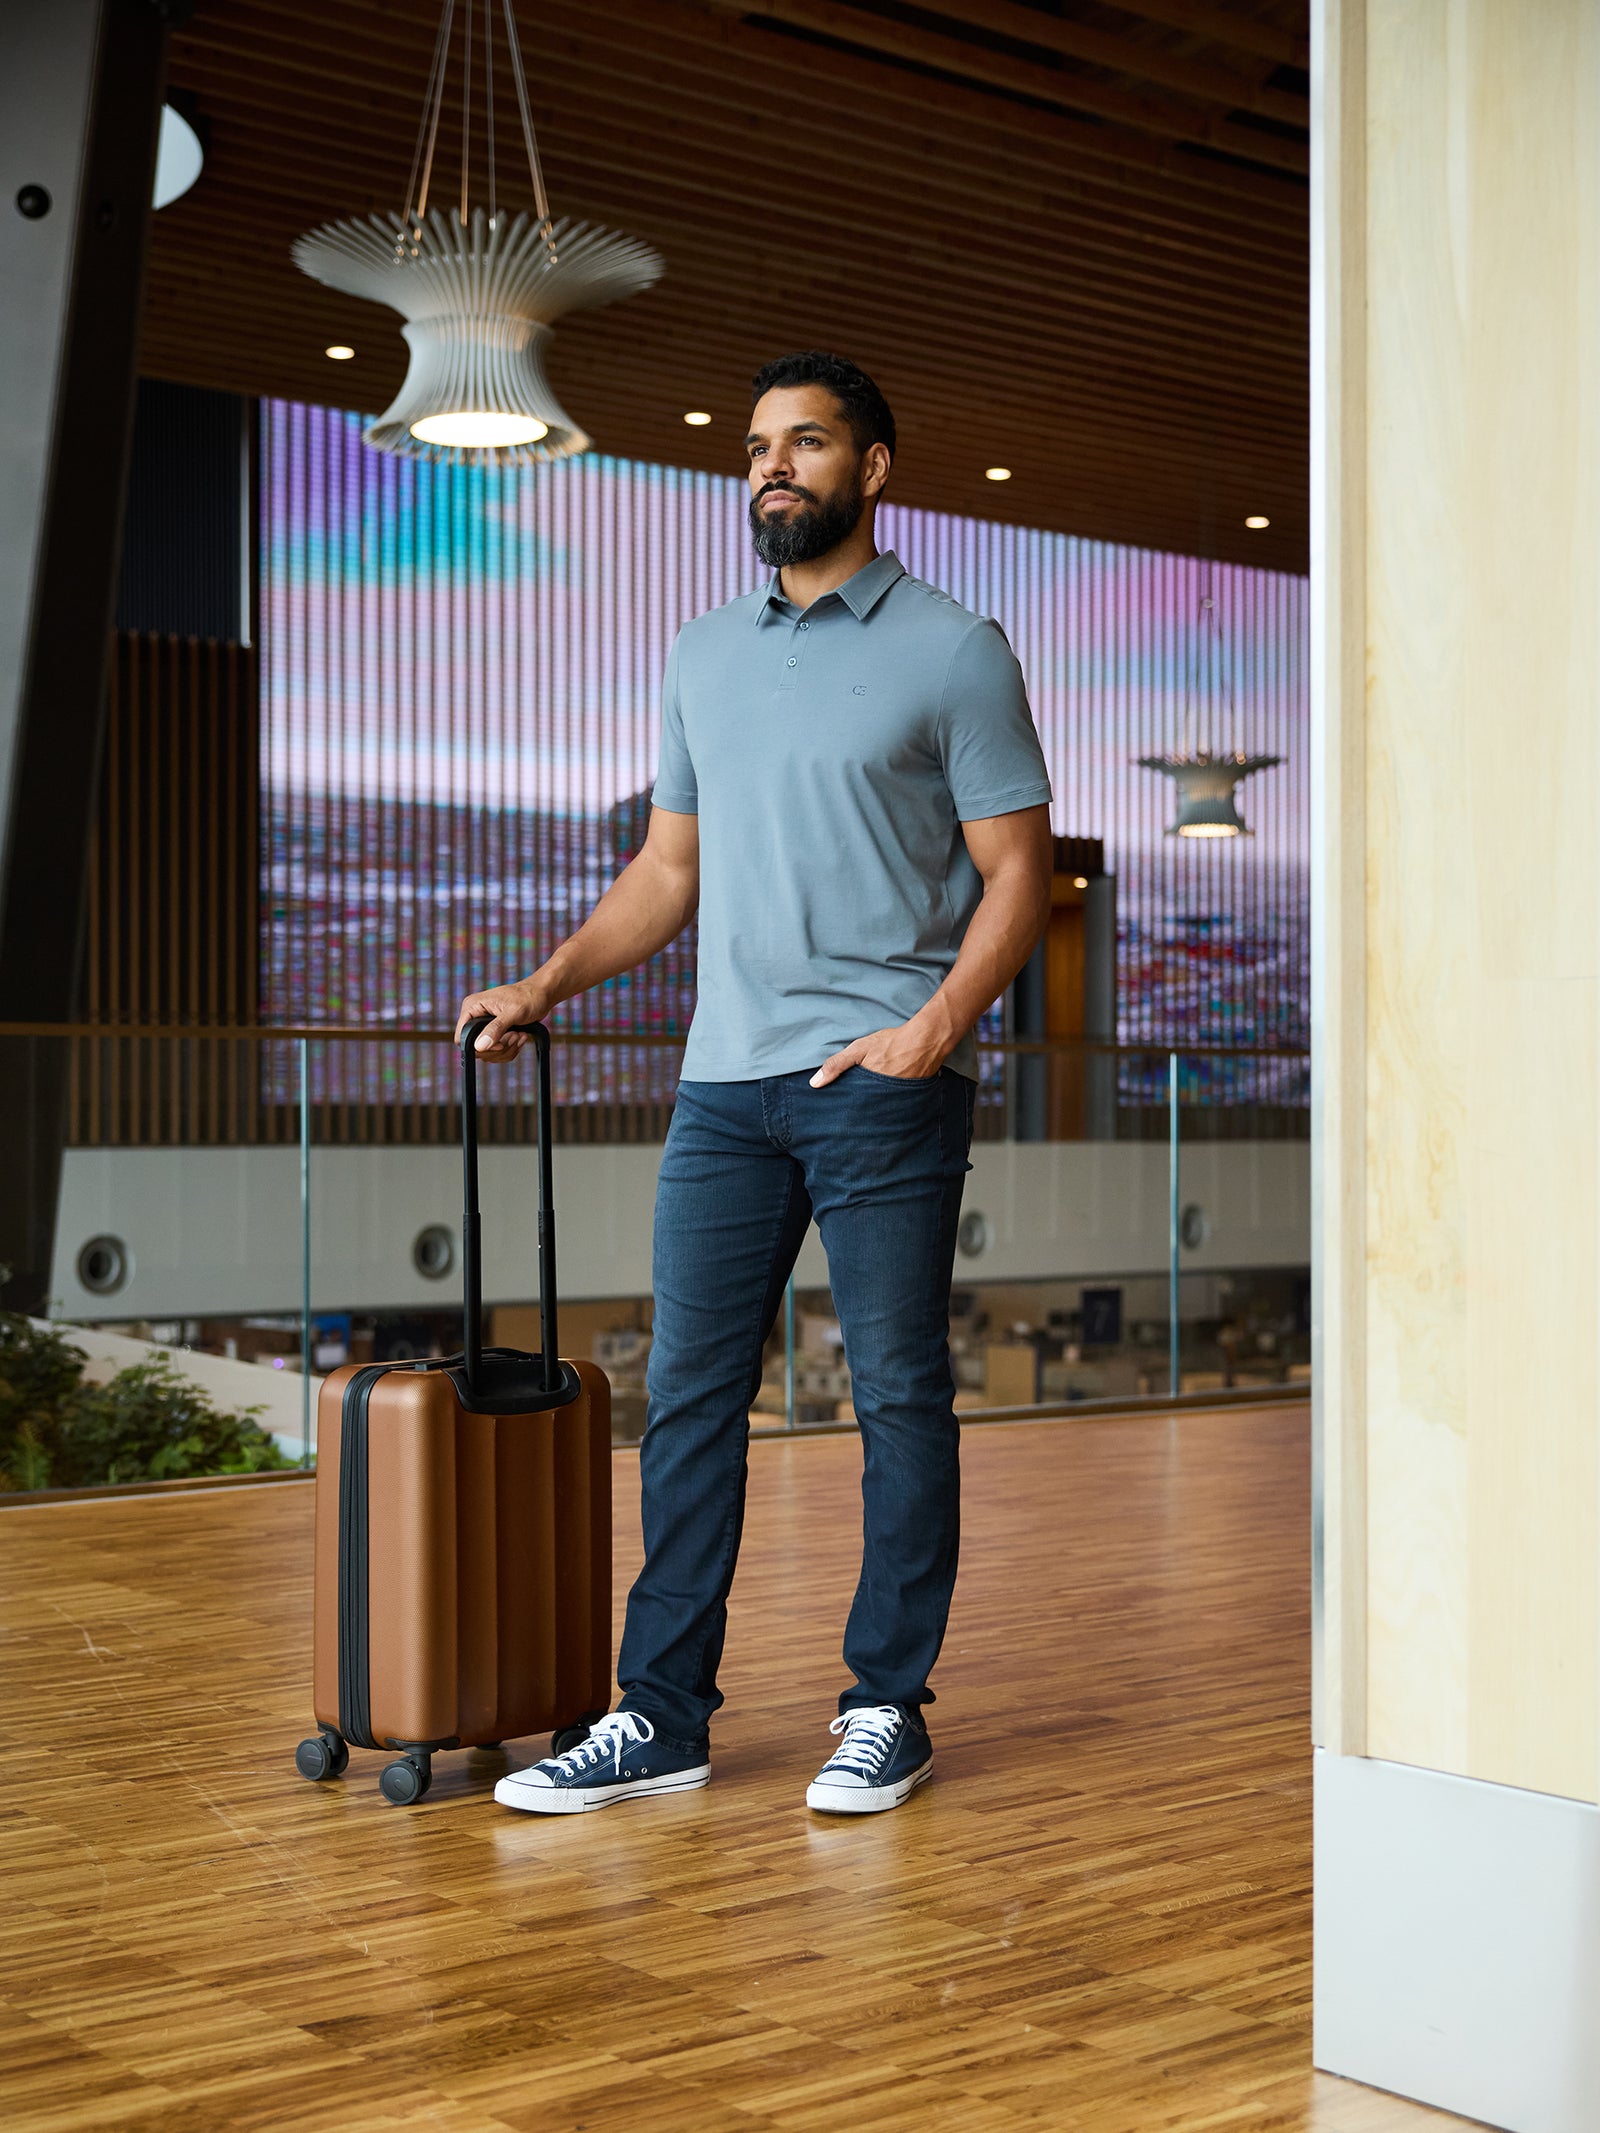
773,465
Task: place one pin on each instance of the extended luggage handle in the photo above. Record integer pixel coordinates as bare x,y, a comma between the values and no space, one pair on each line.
471,1226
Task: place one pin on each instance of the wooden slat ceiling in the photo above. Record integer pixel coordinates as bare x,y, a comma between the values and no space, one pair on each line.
1065,237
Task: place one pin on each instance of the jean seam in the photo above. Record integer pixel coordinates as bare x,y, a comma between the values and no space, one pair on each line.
762,1316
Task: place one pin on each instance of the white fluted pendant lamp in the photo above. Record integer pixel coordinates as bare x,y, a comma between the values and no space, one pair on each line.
1208,791
479,292
479,301
1208,779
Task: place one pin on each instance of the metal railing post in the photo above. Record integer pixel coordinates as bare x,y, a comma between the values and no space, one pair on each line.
305,1251
1173,1225
788,1355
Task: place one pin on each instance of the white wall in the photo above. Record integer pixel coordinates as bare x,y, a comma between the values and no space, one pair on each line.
216,1231
1456,960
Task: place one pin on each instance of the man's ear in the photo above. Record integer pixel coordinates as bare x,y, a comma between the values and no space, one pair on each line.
875,473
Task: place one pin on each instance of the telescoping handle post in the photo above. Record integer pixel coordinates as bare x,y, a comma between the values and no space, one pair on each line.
471,1224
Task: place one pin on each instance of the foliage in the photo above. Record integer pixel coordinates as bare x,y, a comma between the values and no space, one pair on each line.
40,1374
148,1424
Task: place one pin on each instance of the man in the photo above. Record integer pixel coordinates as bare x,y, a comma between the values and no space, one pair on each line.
852,795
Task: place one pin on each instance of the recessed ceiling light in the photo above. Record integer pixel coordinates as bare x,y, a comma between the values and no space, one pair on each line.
1257,523
339,352
1080,881
696,420
997,473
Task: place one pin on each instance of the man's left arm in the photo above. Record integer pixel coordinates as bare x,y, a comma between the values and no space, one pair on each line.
1014,856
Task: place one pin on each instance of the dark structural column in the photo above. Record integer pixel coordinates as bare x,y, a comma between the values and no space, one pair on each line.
80,106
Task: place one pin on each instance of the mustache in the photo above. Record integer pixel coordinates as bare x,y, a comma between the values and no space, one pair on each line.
784,488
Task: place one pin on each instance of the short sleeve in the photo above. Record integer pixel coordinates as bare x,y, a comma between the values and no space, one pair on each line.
988,744
675,787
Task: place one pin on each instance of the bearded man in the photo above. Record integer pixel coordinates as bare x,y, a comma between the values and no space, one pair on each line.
852,796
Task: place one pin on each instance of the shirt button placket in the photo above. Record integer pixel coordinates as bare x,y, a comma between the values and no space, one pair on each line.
789,678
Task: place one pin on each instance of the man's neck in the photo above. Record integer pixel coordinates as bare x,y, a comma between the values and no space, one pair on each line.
802,583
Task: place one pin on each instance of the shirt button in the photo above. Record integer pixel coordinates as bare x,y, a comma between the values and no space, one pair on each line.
805,625
791,662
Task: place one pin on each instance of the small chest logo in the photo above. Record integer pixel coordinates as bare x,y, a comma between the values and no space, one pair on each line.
860,689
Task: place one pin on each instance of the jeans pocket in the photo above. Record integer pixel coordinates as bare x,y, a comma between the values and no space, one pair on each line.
899,1081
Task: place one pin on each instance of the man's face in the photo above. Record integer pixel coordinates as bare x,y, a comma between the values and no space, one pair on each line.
809,482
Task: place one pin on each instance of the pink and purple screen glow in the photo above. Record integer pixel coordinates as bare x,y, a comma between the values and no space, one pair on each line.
460,676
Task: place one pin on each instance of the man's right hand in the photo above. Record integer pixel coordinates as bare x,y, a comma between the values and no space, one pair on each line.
514,1008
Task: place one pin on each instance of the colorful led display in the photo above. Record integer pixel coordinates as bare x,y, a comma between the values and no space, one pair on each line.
460,670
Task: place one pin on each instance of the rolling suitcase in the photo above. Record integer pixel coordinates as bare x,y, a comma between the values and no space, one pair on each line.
463,1530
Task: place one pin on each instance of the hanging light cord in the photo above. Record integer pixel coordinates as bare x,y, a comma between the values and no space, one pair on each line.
541,199
427,135
420,180
466,105
1210,630
488,103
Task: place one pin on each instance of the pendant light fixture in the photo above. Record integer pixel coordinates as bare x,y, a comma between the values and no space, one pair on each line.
479,290
1208,778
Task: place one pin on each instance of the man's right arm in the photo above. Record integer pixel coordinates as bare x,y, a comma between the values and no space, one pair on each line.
649,904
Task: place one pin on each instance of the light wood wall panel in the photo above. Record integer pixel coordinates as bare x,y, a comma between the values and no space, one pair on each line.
1469,934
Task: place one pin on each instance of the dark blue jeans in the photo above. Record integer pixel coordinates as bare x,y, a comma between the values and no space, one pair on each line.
881,1164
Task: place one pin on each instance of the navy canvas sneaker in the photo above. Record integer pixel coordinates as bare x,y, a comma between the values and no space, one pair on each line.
620,1760
884,1756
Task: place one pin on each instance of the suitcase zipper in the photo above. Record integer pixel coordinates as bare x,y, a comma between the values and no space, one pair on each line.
355,1705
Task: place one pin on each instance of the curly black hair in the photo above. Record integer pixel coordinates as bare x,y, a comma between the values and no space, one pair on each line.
865,409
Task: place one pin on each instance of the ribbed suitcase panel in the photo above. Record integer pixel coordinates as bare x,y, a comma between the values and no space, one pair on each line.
414,1576
489,1561
325,1620
521,1681
482,1511
583,1550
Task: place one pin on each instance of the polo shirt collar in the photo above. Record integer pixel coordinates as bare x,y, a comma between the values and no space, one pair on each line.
860,594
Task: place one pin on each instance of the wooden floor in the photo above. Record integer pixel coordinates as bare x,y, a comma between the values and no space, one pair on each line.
1097,1918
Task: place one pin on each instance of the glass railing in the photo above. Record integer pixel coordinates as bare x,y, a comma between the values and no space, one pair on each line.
1193,1293
133,1087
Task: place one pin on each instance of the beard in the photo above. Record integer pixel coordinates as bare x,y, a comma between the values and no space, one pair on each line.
811,530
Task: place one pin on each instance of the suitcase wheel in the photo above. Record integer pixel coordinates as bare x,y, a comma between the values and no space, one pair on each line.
406,1780
324,1757
565,1737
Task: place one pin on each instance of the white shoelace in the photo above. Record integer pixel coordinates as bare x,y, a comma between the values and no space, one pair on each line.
608,1736
868,1735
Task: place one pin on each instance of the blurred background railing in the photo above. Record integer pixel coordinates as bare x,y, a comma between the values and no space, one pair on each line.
1136,1227
202,1087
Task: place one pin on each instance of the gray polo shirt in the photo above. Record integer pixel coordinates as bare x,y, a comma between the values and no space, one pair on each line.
832,755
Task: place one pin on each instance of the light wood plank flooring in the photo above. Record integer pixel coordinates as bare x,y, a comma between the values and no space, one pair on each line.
1096,1919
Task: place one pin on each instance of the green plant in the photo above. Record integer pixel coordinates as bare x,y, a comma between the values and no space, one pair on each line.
148,1424
40,1372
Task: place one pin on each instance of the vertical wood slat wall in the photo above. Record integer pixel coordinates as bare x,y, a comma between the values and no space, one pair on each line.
174,904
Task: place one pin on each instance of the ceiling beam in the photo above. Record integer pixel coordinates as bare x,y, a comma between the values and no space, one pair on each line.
710,33
1077,92
1233,87
1220,25
910,211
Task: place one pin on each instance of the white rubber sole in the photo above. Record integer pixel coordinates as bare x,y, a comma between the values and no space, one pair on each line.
551,1800
865,1799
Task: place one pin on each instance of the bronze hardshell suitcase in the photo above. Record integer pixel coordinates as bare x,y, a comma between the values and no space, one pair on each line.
463,1534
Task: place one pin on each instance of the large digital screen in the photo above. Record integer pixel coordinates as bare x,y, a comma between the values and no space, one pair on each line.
460,674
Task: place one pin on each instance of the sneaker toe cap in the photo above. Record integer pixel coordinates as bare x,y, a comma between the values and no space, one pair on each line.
534,1779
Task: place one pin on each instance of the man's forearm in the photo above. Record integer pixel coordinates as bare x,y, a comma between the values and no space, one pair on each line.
1004,931
645,907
